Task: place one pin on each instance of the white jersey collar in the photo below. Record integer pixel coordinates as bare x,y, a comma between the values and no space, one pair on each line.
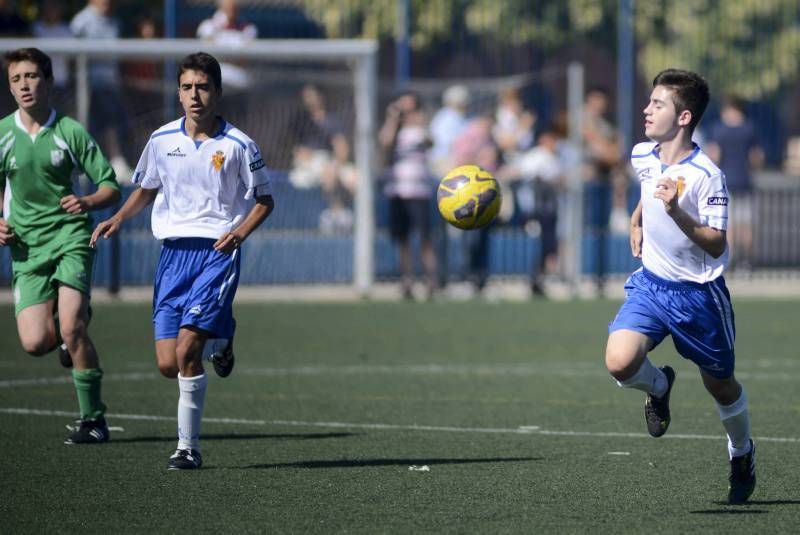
688,159
219,133
50,120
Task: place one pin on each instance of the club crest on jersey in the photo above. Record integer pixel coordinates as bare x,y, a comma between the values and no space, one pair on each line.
56,157
217,160
681,185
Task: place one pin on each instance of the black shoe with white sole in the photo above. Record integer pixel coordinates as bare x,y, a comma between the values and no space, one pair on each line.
185,460
656,409
88,432
224,360
742,479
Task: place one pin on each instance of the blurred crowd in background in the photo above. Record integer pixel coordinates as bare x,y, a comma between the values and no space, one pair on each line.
515,126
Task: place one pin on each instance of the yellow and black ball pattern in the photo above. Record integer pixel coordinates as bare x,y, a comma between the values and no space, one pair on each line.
469,197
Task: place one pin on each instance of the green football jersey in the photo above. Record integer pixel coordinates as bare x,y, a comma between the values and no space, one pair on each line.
36,172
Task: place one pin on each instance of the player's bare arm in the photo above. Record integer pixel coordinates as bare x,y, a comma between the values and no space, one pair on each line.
636,231
257,215
711,240
135,204
6,233
102,198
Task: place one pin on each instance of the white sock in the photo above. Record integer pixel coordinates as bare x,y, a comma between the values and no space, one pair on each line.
190,410
736,420
648,379
214,345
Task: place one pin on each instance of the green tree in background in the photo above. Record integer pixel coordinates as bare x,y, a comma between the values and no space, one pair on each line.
749,47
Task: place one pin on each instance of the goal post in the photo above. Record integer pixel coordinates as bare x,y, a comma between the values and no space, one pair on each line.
360,56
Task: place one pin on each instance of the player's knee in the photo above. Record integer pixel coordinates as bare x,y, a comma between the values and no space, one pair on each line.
618,363
190,358
37,348
73,332
724,391
38,344
168,370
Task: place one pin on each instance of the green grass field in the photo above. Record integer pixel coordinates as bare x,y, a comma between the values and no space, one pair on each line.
508,405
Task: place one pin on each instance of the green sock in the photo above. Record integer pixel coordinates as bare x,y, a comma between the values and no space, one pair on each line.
87,386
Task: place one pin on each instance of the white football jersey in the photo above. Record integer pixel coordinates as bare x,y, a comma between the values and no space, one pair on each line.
203,187
666,250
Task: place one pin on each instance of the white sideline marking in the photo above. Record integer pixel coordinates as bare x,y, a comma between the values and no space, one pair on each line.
619,453
63,379
539,369
525,430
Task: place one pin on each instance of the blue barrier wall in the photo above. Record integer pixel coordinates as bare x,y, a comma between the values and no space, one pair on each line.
289,248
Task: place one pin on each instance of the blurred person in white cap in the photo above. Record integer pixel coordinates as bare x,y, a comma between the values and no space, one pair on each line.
447,124
227,27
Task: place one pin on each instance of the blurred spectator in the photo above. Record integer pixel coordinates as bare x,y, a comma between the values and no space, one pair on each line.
601,158
11,24
108,119
322,158
541,175
405,141
446,125
476,146
144,74
226,27
513,128
146,27
733,145
51,24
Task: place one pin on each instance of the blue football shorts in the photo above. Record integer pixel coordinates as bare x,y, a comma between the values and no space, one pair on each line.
698,316
195,286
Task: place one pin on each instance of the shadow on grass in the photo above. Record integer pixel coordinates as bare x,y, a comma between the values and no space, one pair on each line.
739,510
744,509
774,502
355,463
242,436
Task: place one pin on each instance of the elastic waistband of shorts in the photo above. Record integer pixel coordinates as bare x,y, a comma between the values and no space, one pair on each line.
189,243
673,285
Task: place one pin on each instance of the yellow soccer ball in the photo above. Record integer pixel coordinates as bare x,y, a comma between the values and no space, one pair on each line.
469,197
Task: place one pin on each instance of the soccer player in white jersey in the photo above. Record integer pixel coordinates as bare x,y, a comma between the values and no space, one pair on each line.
200,172
678,230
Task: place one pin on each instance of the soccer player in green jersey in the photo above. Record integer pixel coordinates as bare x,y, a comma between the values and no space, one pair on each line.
47,228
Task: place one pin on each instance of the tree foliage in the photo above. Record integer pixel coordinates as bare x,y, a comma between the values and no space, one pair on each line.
744,47
749,47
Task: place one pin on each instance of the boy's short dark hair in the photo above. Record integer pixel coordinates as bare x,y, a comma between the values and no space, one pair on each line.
34,55
734,101
690,92
418,104
205,63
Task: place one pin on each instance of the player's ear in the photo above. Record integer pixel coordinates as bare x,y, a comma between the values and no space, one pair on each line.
685,118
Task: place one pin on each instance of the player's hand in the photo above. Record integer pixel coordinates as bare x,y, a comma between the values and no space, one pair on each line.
667,191
6,233
636,241
105,229
227,243
74,204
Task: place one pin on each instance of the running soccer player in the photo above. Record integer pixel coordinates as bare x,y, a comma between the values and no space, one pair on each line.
46,226
678,230
199,171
